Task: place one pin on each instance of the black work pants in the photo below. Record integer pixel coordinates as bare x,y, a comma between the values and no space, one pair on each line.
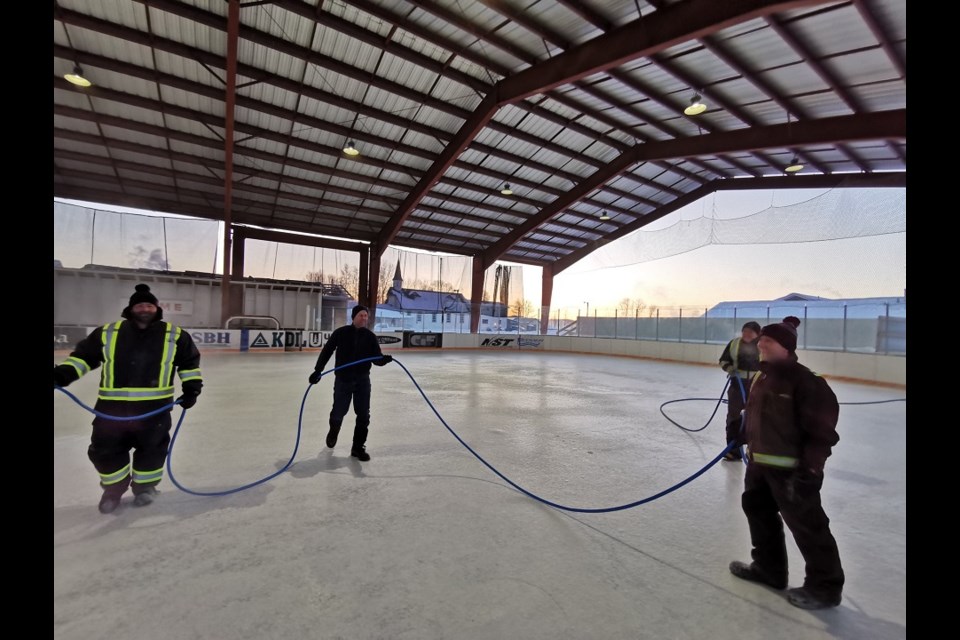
735,404
110,446
357,389
770,493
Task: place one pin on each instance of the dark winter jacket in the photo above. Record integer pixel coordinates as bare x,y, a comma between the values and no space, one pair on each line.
741,356
139,365
351,344
791,417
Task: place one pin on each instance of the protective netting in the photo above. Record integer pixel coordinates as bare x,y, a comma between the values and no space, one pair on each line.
503,292
283,261
836,214
82,235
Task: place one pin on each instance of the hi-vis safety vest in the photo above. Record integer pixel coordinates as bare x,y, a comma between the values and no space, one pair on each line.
108,391
734,352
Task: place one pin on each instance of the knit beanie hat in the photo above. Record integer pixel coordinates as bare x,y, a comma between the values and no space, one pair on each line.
753,326
783,332
142,294
357,309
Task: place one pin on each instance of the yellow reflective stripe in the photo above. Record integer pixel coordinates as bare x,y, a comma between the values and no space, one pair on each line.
78,364
190,374
735,351
134,393
785,462
109,338
169,351
147,476
116,476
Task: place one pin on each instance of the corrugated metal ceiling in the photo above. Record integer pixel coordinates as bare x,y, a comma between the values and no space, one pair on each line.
388,88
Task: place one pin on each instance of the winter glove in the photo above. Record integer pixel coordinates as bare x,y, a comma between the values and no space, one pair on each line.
386,359
315,376
60,378
188,399
802,483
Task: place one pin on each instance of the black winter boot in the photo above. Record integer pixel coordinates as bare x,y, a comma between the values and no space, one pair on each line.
360,453
332,435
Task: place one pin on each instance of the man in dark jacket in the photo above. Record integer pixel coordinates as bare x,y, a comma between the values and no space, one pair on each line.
351,342
791,428
740,360
139,355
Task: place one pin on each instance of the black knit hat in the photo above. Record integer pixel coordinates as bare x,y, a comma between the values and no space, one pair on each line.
753,326
142,294
783,332
357,309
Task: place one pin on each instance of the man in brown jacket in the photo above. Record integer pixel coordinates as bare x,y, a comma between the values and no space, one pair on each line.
791,419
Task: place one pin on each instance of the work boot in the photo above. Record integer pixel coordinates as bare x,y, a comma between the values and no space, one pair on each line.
753,573
332,436
145,497
803,599
108,502
360,453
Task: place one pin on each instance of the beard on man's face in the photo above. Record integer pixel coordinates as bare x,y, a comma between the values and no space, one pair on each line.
145,317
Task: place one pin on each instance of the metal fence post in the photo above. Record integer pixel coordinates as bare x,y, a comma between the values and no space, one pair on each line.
886,328
843,345
805,325
616,324
656,334
680,326
636,323
705,312
734,319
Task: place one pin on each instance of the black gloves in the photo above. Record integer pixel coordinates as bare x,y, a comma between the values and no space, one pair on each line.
191,389
387,359
315,376
188,399
60,378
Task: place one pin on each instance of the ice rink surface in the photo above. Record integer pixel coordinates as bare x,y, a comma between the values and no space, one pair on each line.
423,542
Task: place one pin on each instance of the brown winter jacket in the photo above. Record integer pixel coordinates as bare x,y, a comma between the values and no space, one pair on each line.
791,417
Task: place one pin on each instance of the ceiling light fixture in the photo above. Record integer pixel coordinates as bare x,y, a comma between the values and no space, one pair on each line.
351,148
604,216
794,165
696,107
77,77
506,190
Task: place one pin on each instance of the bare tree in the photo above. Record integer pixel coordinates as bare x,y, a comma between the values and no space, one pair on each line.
385,281
521,308
349,279
314,276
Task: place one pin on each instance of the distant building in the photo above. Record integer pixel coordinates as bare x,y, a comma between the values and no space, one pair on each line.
800,305
425,310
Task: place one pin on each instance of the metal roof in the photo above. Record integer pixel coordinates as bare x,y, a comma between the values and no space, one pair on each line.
577,104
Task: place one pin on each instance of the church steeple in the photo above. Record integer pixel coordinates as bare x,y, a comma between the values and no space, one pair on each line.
397,278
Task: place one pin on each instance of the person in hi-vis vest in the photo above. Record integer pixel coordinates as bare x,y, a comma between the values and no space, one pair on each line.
140,355
740,359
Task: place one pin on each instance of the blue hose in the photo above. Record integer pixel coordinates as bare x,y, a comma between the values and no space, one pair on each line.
529,494
183,414
555,505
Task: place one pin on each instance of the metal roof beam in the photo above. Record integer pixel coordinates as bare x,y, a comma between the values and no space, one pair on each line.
879,126
886,42
213,212
214,93
826,75
639,38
